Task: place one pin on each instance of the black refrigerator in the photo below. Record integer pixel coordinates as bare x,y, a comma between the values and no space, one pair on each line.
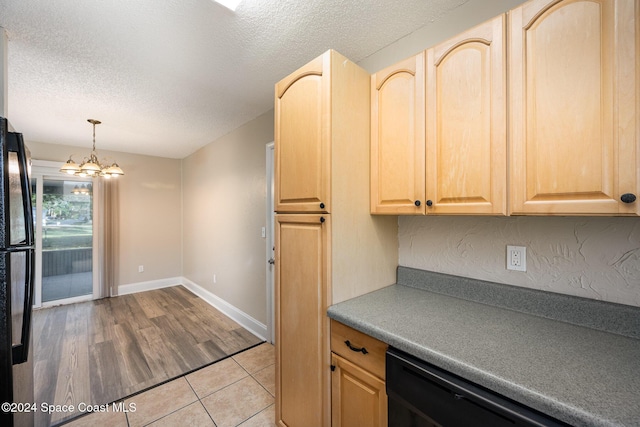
16,281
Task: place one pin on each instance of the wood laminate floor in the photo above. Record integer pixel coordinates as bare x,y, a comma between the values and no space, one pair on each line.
101,351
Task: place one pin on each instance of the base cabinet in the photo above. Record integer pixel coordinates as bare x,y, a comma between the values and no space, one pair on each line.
358,389
358,398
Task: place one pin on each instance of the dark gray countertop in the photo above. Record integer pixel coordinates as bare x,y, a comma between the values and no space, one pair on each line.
577,374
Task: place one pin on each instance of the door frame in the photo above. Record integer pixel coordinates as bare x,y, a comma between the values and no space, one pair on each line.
270,243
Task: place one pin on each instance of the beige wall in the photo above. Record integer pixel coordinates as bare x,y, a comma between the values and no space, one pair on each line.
150,211
596,258
224,203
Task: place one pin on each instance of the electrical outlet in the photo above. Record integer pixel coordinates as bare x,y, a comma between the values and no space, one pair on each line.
517,258
141,269
214,278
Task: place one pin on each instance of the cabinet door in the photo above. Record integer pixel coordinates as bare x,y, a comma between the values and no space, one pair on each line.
466,150
397,138
574,107
302,331
358,397
302,157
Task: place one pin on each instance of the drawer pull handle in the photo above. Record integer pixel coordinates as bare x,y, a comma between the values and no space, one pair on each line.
356,349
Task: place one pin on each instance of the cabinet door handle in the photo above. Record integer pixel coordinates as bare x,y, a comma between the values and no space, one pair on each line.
321,205
628,198
429,203
322,220
356,349
417,203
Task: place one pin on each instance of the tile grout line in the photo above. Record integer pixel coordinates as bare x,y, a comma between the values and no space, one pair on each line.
179,409
266,367
199,399
261,385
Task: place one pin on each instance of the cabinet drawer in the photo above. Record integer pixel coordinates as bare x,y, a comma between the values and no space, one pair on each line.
372,360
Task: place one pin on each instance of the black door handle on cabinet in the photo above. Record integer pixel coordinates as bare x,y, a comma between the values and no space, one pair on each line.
429,203
417,203
321,205
628,198
322,220
356,349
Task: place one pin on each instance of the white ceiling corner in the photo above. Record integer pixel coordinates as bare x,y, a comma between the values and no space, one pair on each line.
167,77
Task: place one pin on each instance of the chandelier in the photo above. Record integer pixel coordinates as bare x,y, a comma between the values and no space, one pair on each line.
81,190
90,166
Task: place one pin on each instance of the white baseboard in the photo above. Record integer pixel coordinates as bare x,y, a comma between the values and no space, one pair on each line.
257,328
133,288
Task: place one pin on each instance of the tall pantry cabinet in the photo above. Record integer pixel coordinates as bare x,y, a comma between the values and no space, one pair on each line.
328,247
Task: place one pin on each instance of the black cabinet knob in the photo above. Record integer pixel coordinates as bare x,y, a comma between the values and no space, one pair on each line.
322,219
321,205
429,203
417,202
628,198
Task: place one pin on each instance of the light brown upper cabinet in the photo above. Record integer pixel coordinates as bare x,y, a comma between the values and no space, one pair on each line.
302,157
574,108
466,123
450,157
397,138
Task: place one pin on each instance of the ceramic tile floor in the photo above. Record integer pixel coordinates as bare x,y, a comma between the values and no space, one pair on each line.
237,391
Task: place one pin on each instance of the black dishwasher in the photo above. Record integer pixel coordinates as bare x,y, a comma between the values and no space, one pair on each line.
422,395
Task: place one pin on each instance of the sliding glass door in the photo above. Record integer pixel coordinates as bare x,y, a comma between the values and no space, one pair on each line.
64,239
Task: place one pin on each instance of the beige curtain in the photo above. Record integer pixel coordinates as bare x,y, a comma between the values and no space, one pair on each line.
108,227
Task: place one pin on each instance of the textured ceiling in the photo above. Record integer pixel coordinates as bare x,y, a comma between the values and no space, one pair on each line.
167,77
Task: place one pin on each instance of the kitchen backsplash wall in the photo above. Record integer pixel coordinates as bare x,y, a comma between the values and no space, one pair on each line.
596,258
